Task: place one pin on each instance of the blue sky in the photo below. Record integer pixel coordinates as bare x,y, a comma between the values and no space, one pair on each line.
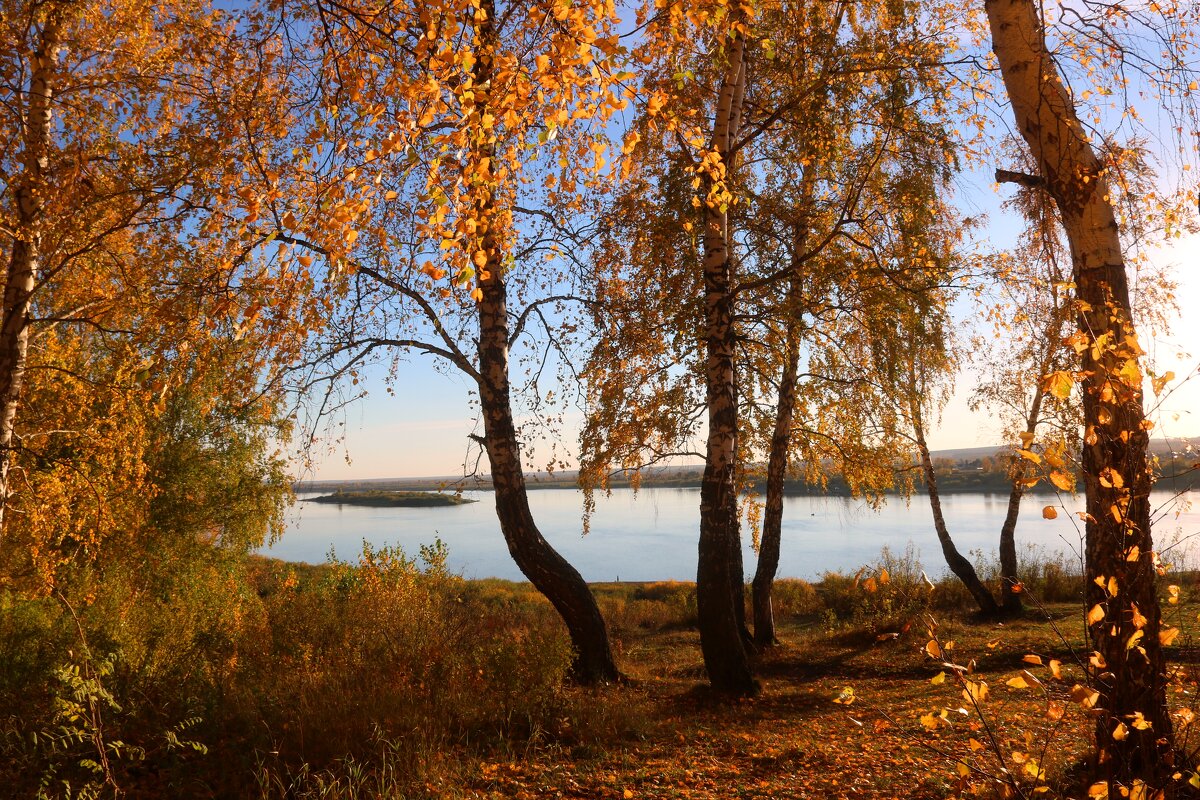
423,429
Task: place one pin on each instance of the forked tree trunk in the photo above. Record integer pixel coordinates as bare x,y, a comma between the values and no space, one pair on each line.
1010,594
1123,624
719,589
24,260
958,563
546,569
777,464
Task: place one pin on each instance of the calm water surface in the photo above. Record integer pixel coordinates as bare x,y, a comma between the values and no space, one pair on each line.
652,535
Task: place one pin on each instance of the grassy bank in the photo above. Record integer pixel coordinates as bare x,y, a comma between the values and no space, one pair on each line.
391,677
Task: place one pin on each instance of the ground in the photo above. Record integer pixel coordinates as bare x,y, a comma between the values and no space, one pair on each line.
907,733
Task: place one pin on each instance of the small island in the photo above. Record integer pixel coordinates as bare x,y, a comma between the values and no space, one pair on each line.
384,499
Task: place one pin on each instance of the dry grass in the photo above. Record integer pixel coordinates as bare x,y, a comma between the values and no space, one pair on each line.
389,679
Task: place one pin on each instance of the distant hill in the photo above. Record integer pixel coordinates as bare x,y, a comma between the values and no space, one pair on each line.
967,479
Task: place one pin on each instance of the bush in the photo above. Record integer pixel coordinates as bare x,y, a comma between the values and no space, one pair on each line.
637,607
881,596
391,667
791,597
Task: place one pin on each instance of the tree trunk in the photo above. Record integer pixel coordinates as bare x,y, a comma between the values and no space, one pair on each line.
959,565
777,464
549,572
1116,474
24,261
721,607
1010,596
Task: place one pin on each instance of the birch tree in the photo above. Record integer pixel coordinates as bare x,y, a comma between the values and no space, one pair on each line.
118,127
1124,619
445,141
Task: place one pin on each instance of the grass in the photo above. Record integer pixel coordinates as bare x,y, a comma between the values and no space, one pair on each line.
390,678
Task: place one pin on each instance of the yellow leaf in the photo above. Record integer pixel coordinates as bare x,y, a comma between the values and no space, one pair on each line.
1056,668
655,103
1032,659
305,261
1049,512
1140,722
884,578
976,745
1098,790
1111,479
933,649
628,794
1162,381
1112,587
391,195
1026,438
351,236
1059,384
1139,619
289,221
1029,455
1174,592
1131,374
1096,614
1120,732
1017,683
1133,640
1061,480
975,692
938,679
1084,696
1134,553
1097,660
1165,637
846,697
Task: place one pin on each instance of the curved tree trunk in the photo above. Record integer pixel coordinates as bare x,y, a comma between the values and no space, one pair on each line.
1123,624
958,563
23,264
777,464
549,572
719,581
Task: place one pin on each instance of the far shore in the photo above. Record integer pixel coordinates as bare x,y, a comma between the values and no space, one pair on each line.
977,470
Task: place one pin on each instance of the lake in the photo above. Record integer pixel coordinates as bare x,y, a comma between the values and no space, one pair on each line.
652,535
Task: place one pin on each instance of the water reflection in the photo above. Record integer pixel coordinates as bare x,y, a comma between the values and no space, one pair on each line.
652,535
